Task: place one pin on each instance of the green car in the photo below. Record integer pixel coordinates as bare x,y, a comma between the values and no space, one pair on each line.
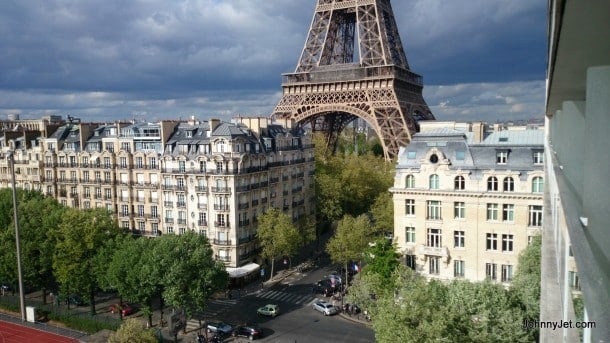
269,310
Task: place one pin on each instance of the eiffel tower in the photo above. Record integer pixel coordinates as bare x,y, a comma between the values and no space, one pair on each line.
353,66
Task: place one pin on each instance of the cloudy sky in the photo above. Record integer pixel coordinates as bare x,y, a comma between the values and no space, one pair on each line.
157,59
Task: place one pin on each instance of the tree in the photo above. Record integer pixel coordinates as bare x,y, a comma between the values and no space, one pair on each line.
132,331
80,236
191,275
383,213
381,259
43,216
350,240
526,283
278,236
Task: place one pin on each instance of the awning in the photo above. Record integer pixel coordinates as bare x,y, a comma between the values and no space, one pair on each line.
243,270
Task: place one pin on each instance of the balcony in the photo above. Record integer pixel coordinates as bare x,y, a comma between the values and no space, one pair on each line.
247,239
221,224
226,242
244,223
181,221
181,204
224,208
221,189
202,223
434,251
202,206
168,204
169,220
255,202
243,206
242,188
201,189
223,258
274,180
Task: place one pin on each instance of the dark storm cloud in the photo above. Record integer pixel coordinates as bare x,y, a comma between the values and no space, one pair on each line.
172,58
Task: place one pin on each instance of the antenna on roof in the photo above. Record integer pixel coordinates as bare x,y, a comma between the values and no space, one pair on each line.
73,120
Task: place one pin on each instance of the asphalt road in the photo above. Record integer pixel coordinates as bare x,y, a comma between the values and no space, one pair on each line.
298,322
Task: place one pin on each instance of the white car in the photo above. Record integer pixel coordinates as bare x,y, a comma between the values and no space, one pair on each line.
324,307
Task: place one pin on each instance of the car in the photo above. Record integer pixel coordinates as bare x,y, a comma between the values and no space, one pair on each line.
269,310
220,327
251,331
75,299
126,309
326,308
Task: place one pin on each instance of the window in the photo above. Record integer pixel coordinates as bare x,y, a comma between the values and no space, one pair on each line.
459,155
182,166
492,184
410,181
140,210
501,157
507,243
410,234
537,185
508,212
125,210
492,211
491,271
459,183
492,241
154,211
139,162
125,146
507,273
458,239
509,184
535,215
411,261
538,157
433,181
123,162
152,162
434,238
410,207
411,155
459,210
458,268
435,264
433,210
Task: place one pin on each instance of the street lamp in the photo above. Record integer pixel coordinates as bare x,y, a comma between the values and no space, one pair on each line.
11,159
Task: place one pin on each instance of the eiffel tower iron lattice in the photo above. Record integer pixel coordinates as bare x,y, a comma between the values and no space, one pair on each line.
353,66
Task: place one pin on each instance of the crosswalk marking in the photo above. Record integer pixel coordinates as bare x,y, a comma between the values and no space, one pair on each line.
285,297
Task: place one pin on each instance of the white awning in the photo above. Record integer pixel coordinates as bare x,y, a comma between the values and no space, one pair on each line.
243,270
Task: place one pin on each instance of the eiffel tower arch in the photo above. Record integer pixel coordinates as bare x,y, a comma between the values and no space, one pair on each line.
353,66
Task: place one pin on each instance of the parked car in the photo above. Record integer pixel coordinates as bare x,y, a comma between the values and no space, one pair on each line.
251,331
220,327
269,310
75,299
326,308
126,309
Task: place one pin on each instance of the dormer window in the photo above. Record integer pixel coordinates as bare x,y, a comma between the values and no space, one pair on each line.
189,134
501,156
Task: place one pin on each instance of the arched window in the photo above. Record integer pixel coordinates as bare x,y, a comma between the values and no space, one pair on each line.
537,184
410,181
509,184
492,184
434,181
459,183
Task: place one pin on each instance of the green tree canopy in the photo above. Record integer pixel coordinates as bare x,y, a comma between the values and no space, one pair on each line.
381,259
80,236
132,331
278,236
190,273
350,240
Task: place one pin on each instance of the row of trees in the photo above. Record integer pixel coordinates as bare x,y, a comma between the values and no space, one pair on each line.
83,251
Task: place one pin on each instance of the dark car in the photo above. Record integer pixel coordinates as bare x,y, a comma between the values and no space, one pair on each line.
251,331
75,299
